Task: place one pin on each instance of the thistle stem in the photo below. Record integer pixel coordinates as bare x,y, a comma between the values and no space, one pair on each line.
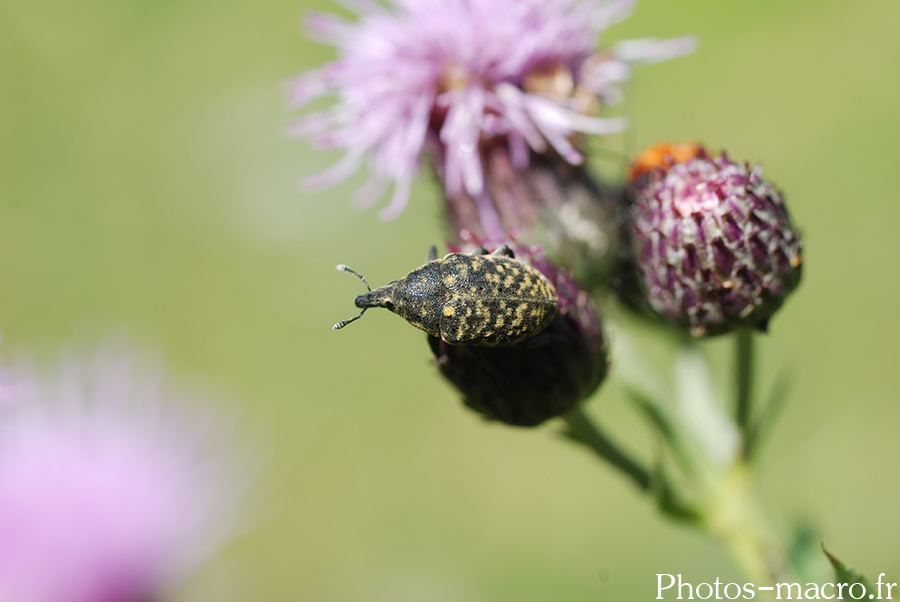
584,431
744,366
735,518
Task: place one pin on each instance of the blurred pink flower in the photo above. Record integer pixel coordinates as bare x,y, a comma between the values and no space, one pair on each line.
453,77
110,487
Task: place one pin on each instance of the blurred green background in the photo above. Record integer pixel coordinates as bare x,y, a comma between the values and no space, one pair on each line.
146,188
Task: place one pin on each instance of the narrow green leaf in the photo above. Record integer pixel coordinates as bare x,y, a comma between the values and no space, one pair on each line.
845,574
654,412
668,500
663,426
770,411
581,429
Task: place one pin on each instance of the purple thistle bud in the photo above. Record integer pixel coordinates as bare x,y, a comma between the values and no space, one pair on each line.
110,489
455,78
558,206
713,244
544,377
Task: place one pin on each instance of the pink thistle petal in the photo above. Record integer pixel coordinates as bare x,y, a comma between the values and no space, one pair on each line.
398,201
651,50
604,17
335,174
514,103
452,176
330,29
490,220
518,151
552,123
109,491
370,192
473,177
418,125
596,125
305,88
458,72
309,125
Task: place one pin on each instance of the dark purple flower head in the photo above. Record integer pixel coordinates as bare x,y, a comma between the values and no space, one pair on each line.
713,244
453,77
543,377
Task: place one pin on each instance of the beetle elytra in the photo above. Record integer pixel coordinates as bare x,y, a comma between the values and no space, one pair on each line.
468,299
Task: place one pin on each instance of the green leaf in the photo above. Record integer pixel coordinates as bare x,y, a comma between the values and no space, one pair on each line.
844,574
775,403
669,501
654,412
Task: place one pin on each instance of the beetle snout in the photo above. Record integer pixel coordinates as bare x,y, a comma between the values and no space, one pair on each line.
377,298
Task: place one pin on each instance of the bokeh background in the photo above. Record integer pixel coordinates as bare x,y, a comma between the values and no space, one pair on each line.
146,189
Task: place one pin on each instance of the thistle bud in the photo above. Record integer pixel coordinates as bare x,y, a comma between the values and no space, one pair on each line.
550,203
713,245
543,377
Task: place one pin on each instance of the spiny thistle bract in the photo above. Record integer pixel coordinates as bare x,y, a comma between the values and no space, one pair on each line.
712,242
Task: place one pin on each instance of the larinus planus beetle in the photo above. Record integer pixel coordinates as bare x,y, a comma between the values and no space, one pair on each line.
464,299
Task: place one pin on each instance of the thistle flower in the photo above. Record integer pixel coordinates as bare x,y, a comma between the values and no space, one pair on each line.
713,244
544,377
107,493
456,78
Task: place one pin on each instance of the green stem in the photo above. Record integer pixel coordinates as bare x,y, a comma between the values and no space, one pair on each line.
735,518
744,364
582,430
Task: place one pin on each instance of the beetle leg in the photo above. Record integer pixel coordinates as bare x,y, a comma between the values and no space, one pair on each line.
505,251
477,355
539,340
479,250
432,254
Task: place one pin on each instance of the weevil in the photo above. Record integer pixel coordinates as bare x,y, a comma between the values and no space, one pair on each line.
467,299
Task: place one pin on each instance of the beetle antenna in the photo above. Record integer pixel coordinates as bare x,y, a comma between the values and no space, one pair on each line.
343,268
343,323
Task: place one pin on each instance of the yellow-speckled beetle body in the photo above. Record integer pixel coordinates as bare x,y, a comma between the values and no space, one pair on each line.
476,299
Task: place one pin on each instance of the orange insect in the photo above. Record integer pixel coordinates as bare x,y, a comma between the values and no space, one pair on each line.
664,156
